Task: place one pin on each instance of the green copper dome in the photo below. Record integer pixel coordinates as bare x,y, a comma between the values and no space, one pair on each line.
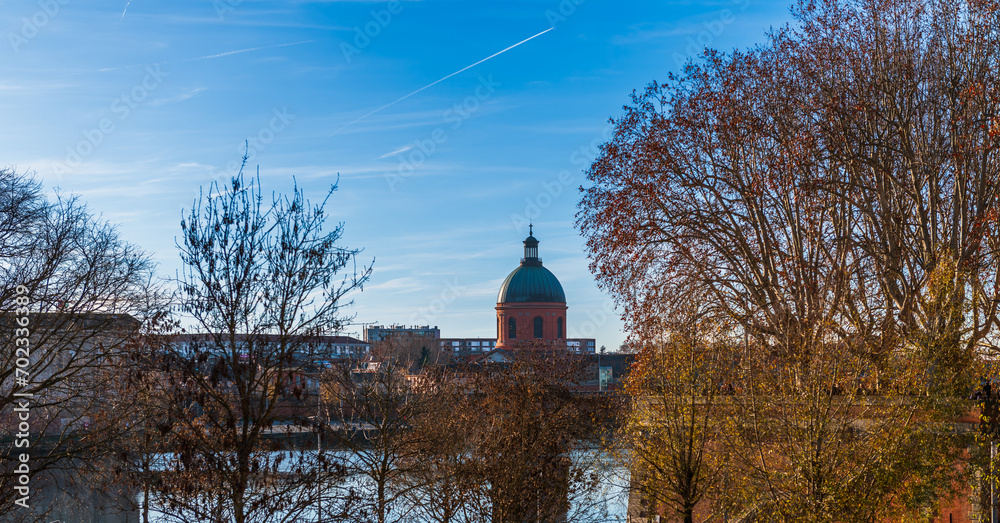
531,282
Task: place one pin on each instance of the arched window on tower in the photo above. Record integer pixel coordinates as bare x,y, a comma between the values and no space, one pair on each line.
559,328
512,328
538,327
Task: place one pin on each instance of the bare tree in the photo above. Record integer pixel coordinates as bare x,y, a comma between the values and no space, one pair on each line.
374,407
74,294
132,460
261,283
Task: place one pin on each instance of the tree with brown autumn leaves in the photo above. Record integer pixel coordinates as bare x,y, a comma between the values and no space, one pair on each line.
833,194
503,442
445,486
670,433
531,441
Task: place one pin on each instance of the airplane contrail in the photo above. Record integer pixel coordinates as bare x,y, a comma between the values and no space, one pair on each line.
126,9
227,53
435,82
206,57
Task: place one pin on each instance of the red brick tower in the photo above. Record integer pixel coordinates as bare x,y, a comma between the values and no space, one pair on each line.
531,305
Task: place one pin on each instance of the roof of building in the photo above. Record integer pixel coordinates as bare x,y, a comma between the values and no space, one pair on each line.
78,320
531,282
266,338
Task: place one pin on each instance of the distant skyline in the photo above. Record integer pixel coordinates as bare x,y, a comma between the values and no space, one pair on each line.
449,125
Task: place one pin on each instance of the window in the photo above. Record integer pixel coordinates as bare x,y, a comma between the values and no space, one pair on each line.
538,327
512,328
559,328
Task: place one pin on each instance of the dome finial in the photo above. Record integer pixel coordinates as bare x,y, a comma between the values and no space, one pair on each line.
530,227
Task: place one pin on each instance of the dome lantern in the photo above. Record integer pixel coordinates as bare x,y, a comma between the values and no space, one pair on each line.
531,249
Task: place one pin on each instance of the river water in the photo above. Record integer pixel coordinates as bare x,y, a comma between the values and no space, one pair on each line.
609,504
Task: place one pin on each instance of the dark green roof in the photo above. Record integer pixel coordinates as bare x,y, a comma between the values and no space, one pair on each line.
531,283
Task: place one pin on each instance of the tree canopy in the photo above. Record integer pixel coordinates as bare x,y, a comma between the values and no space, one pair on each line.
829,198
842,177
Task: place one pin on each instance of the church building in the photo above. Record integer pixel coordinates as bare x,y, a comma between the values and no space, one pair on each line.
531,305
531,312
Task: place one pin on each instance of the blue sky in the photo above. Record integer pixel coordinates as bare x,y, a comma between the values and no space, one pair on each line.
135,108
